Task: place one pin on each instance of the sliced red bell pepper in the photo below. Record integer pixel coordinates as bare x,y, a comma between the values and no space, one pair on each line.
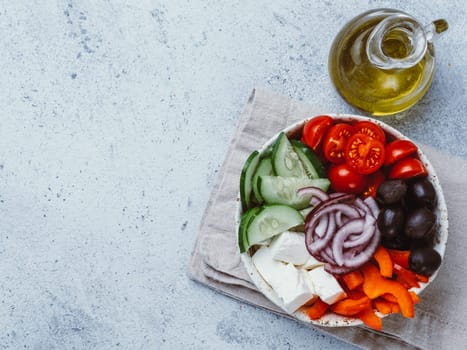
389,297
370,319
400,257
352,279
317,310
422,278
350,307
382,306
415,297
384,261
406,277
375,285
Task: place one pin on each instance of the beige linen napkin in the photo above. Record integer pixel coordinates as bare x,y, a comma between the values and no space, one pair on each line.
440,318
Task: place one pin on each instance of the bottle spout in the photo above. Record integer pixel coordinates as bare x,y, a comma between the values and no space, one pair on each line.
397,42
435,28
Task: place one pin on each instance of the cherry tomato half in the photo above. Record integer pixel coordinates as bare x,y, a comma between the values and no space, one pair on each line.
364,154
371,129
398,149
344,179
335,141
315,129
407,168
374,180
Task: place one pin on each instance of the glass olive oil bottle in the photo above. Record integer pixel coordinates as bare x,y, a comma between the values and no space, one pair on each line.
383,61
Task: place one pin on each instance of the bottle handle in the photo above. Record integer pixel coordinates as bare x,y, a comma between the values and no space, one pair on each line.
435,28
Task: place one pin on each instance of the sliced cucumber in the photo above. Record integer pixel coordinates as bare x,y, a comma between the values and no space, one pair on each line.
268,151
311,163
264,168
285,160
283,190
245,179
242,232
306,211
270,221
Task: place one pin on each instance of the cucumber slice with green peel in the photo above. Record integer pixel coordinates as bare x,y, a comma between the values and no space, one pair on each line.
267,153
313,166
264,168
285,160
246,176
270,221
306,211
242,232
283,190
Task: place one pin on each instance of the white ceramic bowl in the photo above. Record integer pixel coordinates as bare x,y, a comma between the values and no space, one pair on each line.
331,319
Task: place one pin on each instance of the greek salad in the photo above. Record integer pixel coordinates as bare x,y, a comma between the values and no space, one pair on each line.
340,218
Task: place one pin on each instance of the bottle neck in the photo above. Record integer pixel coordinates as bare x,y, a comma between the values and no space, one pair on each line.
397,42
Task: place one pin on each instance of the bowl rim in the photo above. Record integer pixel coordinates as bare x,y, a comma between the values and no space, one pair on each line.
331,319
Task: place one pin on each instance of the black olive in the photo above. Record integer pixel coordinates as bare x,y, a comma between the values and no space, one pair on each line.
399,242
421,243
424,261
391,192
419,223
428,241
422,193
391,221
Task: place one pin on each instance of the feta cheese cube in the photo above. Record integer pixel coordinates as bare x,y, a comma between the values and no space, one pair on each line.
298,292
326,286
268,268
309,283
290,247
288,282
311,263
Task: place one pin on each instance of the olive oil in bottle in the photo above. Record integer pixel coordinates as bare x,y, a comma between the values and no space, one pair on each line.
382,62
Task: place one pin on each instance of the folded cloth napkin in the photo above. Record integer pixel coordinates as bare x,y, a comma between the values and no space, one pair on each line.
440,317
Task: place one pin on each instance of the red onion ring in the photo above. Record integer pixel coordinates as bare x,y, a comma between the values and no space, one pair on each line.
365,236
370,201
338,216
341,230
362,206
315,192
322,226
337,270
350,227
316,245
361,258
326,254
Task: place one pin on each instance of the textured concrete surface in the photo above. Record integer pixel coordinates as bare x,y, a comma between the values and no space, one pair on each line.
115,119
